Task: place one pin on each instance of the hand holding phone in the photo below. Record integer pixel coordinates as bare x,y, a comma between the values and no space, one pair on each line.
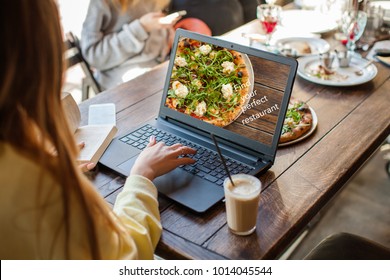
169,19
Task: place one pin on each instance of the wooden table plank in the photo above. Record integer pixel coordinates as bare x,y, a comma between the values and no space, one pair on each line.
197,228
139,113
352,142
174,247
128,94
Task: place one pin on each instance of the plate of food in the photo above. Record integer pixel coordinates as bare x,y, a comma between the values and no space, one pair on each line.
300,122
310,69
301,46
210,83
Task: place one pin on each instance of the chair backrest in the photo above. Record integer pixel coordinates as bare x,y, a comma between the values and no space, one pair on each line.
74,56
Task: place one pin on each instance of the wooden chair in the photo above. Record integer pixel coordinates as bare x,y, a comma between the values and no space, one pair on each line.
74,56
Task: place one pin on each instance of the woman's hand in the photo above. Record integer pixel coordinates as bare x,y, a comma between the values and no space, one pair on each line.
85,167
158,159
152,21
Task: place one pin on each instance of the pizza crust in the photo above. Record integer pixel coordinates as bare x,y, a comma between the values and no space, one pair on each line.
296,129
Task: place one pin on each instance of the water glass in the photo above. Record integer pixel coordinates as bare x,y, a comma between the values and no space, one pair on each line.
352,24
375,15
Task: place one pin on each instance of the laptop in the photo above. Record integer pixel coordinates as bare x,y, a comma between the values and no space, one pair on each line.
237,93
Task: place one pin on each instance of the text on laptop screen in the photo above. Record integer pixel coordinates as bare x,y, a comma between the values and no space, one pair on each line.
238,92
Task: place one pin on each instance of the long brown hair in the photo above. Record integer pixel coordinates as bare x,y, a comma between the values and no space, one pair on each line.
124,5
31,115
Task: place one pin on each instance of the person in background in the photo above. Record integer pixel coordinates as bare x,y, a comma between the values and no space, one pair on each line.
220,16
122,39
48,207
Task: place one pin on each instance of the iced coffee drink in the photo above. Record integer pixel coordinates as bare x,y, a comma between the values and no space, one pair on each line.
242,202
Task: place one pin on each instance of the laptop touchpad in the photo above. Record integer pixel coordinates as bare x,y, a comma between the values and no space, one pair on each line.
189,190
118,152
127,165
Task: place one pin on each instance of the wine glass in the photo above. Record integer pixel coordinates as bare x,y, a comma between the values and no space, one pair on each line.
269,16
352,24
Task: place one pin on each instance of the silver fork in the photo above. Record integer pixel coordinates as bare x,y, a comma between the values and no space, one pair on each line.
360,72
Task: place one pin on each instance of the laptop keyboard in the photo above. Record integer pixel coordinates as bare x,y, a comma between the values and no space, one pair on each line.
207,166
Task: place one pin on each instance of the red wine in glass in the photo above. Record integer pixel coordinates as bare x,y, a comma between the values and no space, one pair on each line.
269,16
269,25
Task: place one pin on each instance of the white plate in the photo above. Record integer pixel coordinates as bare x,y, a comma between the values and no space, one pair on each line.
308,21
316,45
307,134
307,4
343,77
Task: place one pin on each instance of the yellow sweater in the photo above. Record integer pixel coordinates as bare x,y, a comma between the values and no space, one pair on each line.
31,217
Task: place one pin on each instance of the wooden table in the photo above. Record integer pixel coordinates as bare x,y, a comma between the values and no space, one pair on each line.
353,122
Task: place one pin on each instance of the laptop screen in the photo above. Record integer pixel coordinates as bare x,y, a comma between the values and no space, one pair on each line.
230,90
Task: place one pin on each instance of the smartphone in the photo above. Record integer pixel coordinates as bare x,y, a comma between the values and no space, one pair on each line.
171,17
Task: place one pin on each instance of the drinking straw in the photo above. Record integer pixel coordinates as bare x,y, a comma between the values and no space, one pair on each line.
222,159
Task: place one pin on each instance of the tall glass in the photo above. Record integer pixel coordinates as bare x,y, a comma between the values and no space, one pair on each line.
353,24
269,16
375,15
